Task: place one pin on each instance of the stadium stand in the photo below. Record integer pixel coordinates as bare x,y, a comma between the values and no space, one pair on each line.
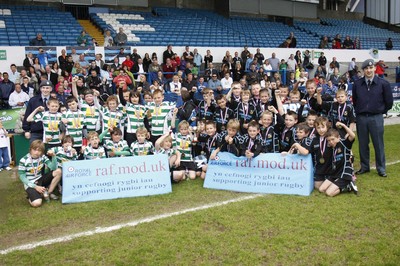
370,36
20,24
197,28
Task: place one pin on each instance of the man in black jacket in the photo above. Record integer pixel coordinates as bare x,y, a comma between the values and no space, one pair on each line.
37,41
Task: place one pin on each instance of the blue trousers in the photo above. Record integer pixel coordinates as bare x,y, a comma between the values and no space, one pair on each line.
371,125
4,158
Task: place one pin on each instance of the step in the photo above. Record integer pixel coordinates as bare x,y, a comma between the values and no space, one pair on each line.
92,31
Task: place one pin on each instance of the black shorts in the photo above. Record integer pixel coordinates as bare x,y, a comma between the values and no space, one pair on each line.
44,181
185,165
320,178
340,182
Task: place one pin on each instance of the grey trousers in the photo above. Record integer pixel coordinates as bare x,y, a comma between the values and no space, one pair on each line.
371,125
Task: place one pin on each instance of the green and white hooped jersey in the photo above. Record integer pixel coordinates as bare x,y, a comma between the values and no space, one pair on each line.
51,129
168,152
75,125
92,116
159,117
139,149
111,119
91,153
112,146
32,167
63,156
184,145
135,114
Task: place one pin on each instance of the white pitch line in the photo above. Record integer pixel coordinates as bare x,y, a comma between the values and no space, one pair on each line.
100,230
391,163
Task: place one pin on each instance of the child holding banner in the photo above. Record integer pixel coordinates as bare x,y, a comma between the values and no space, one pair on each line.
142,146
30,171
251,145
322,158
164,146
268,132
229,140
340,178
303,144
288,131
51,120
183,143
116,146
94,150
65,152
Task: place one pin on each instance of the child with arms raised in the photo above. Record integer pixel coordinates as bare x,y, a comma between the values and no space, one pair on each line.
164,146
340,178
87,106
338,111
51,120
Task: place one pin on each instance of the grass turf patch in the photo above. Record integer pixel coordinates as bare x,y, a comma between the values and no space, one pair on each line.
274,229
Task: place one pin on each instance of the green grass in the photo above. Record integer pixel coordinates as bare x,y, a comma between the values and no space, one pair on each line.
273,229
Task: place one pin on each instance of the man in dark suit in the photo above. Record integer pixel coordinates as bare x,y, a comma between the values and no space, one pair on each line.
53,77
372,97
34,130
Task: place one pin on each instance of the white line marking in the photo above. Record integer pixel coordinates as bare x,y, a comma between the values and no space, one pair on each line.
391,163
100,230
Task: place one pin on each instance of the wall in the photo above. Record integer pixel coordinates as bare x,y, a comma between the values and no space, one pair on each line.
193,4
16,54
379,10
275,8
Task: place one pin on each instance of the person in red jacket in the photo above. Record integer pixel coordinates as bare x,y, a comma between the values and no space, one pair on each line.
380,69
122,79
128,62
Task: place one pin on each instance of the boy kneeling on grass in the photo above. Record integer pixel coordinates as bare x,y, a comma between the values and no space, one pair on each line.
340,178
31,169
